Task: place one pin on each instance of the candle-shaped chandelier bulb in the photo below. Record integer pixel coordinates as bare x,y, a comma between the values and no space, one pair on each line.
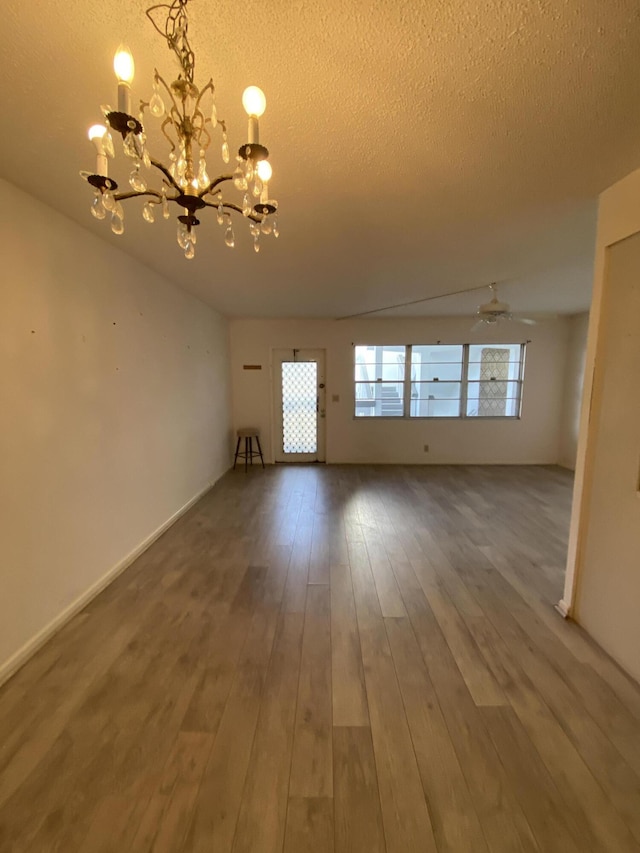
264,172
96,135
124,67
255,103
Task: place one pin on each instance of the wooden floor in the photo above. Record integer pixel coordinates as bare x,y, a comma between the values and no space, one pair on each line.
331,658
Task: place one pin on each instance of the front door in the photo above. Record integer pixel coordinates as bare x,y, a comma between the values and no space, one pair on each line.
299,405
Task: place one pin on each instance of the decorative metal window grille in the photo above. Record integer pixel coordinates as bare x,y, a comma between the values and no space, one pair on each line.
299,406
494,373
439,380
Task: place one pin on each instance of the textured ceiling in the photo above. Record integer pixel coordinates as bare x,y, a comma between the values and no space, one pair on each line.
417,148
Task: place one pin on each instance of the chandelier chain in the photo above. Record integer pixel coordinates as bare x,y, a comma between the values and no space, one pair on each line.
175,33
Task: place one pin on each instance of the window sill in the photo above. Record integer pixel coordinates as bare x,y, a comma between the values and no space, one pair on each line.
431,418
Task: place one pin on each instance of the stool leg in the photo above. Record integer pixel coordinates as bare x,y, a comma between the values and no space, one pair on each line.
251,453
235,458
246,453
259,449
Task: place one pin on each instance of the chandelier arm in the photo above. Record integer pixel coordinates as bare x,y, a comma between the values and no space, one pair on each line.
201,130
160,79
214,184
158,165
231,206
198,128
135,194
206,88
167,121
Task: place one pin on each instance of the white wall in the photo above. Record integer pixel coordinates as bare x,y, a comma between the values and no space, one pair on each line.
114,413
573,384
532,439
602,584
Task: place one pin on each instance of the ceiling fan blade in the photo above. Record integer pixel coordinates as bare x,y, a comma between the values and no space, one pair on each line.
532,319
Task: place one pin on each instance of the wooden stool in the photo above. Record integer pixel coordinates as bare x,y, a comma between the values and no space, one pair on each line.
248,433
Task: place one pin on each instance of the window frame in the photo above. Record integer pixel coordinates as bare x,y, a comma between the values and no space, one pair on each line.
464,386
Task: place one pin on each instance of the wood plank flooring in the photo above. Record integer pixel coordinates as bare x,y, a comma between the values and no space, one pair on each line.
355,659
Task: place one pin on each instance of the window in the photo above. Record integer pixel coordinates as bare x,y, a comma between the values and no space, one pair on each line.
380,381
436,381
439,381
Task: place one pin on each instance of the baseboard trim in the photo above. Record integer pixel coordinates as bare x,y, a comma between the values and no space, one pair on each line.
17,660
563,608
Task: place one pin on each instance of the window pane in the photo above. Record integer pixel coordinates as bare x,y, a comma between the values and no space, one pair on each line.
435,399
435,408
379,380
379,399
379,362
443,363
493,389
506,408
436,374
435,390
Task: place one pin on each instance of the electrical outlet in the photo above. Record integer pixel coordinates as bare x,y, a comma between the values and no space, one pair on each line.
426,448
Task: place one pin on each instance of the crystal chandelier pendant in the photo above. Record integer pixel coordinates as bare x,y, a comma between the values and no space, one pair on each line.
117,224
108,200
181,168
97,206
130,146
148,213
203,175
225,149
183,235
156,104
190,251
107,141
229,238
165,204
256,243
136,181
246,206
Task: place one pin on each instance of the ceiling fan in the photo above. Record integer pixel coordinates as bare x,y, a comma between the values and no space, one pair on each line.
495,311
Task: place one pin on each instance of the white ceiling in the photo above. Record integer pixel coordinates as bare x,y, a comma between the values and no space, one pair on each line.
418,147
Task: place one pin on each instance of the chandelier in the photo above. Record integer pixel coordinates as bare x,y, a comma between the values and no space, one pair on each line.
189,122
